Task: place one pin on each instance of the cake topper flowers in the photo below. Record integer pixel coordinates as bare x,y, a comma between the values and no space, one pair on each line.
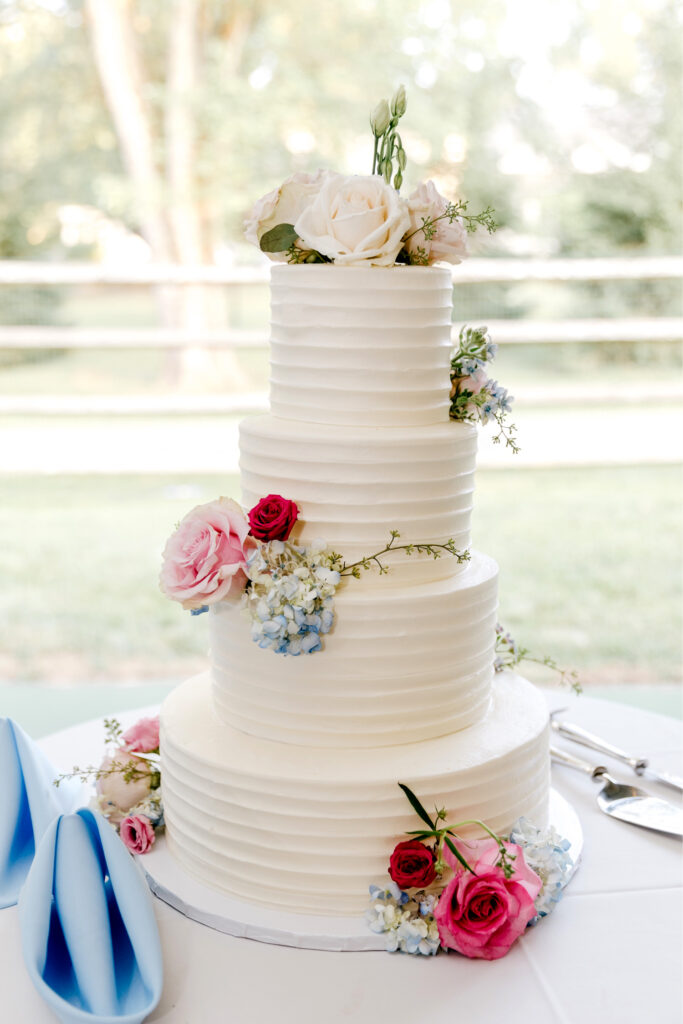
360,220
221,553
473,896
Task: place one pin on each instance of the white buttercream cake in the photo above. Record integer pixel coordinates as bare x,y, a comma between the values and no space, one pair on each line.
280,773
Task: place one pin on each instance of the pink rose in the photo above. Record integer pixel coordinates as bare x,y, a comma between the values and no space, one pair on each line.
143,736
475,382
449,242
116,795
137,833
206,556
481,914
273,518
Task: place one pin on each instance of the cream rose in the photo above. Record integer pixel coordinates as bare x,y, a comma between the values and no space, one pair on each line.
355,220
449,242
282,206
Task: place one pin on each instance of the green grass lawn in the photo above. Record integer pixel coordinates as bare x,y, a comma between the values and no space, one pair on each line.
590,572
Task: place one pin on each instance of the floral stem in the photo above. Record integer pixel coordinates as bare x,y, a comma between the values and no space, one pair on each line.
353,568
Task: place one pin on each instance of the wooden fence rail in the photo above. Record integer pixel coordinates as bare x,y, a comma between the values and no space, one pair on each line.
516,332
473,271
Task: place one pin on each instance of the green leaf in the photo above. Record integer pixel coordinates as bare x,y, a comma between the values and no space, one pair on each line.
417,806
456,853
279,238
421,834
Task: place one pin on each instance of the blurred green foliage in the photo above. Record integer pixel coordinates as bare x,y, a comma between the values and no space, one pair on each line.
565,117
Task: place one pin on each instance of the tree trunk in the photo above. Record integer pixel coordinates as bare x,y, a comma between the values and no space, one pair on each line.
198,306
119,68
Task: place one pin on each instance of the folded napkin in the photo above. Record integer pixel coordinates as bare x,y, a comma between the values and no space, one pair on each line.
29,801
89,936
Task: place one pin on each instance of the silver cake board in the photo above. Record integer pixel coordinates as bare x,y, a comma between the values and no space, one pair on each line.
175,886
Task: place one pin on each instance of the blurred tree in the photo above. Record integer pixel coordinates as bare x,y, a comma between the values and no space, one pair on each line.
563,116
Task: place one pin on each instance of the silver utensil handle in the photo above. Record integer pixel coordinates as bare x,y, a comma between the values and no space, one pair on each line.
562,757
587,739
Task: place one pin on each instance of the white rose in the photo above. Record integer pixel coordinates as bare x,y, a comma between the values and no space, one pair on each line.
282,206
355,220
116,796
450,239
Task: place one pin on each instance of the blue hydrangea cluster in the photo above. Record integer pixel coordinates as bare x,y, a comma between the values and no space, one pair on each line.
290,596
547,853
476,397
407,922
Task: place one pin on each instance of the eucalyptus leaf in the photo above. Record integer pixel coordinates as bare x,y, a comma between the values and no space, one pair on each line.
456,853
279,239
417,806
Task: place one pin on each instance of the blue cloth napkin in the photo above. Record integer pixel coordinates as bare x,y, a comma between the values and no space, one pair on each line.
89,936
29,801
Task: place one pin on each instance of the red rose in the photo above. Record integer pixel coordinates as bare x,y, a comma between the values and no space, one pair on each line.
412,865
273,518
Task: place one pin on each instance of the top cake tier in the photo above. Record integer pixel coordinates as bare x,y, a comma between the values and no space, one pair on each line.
362,346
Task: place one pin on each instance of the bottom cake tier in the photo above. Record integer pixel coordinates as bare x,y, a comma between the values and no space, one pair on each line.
307,829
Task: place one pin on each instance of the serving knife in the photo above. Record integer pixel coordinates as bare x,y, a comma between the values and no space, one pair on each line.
640,765
629,804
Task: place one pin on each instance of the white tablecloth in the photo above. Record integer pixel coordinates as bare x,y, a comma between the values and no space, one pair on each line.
610,954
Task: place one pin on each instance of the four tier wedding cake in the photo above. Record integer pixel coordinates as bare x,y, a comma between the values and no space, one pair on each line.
279,773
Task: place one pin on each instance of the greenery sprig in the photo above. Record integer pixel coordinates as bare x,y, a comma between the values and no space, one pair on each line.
434,550
131,770
457,209
283,238
445,834
388,145
509,654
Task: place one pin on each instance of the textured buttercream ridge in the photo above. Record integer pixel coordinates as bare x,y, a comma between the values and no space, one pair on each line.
373,279
517,704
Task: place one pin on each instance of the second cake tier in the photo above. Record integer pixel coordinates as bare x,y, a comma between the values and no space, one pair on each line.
353,485
400,665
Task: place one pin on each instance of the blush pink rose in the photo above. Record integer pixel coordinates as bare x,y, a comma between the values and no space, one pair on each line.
137,833
449,242
116,795
482,913
204,560
142,737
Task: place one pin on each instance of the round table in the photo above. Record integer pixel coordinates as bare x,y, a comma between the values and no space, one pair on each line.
611,951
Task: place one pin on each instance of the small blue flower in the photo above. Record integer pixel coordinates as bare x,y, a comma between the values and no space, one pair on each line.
199,611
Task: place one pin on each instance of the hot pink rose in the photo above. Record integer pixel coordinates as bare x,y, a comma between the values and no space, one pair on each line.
205,559
137,833
142,737
273,518
481,914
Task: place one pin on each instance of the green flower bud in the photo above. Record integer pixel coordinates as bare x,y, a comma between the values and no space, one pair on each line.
379,118
401,158
398,102
398,180
386,170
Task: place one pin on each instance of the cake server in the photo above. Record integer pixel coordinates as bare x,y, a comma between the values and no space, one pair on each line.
627,803
640,765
